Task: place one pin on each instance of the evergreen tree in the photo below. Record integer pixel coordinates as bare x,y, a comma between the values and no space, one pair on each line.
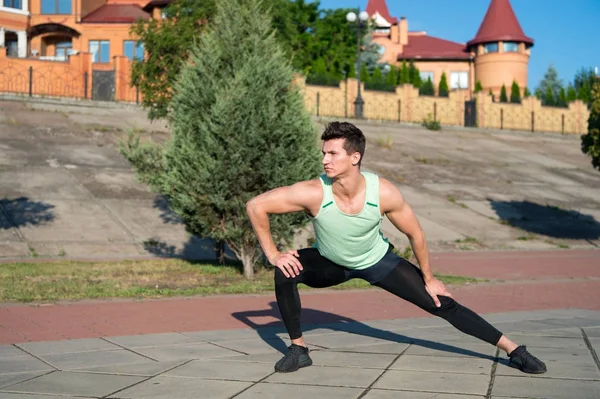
392,76
526,93
414,75
443,90
571,94
503,96
404,73
491,93
583,82
551,81
590,142
478,87
370,55
426,88
515,93
351,70
549,97
365,77
239,128
538,94
377,77
562,98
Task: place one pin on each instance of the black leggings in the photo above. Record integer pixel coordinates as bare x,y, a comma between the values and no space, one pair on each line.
405,281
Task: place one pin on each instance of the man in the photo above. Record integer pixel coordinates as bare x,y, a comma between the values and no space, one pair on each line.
347,207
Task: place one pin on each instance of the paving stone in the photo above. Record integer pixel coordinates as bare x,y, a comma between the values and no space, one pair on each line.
67,346
537,326
38,183
270,358
548,342
291,391
22,364
595,342
434,382
4,395
559,332
134,341
444,364
230,335
342,340
185,352
65,383
547,388
328,376
574,322
148,369
388,394
10,351
448,349
182,388
67,361
592,332
10,379
394,349
256,346
346,359
586,370
217,369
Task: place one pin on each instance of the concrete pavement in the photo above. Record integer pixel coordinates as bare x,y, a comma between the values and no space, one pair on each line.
391,358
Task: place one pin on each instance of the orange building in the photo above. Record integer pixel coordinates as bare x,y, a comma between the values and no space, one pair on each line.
53,29
498,54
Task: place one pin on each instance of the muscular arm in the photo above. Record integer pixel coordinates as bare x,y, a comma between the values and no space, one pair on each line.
404,219
303,196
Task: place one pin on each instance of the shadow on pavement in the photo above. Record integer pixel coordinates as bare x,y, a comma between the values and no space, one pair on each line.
547,220
22,212
316,319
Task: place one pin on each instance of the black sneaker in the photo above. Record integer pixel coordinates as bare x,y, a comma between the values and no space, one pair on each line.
296,358
525,361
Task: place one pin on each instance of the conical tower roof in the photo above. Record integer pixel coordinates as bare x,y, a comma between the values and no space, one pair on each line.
380,6
500,24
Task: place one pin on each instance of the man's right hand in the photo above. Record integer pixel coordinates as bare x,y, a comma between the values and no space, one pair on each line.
287,262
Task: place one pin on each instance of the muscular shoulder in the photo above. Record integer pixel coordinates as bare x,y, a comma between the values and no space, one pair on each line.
390,197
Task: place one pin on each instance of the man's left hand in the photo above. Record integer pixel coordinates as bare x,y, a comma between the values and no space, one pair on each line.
434,288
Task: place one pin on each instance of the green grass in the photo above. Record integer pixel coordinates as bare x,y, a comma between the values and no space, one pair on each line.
68,280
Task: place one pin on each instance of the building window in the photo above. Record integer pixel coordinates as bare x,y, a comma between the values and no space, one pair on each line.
62,50
510,47
56,6
490,48
100,50
425,76
12,4
131,51
459,80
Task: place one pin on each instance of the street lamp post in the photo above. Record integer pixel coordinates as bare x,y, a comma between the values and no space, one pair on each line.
360,21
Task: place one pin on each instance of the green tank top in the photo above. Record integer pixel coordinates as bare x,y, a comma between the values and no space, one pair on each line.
354,241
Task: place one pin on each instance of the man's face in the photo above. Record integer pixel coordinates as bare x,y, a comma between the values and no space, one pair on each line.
336,160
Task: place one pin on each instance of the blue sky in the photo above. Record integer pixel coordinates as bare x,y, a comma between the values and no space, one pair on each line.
565,33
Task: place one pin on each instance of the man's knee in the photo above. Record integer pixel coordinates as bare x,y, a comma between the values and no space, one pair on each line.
447,306
281,279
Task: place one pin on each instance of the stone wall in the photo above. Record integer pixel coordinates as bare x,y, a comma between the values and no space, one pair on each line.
406,105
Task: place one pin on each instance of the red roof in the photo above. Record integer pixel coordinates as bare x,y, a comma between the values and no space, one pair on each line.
116,13
500,23
380,6
432,48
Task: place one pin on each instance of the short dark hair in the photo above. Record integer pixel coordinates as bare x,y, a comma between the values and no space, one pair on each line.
355,139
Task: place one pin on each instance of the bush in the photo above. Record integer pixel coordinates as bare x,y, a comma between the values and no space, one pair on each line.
515,93
431,123
503,97
590,142
443,89
426,88
323,80
478,87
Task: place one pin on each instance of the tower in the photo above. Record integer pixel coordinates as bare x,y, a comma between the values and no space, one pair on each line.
501,50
